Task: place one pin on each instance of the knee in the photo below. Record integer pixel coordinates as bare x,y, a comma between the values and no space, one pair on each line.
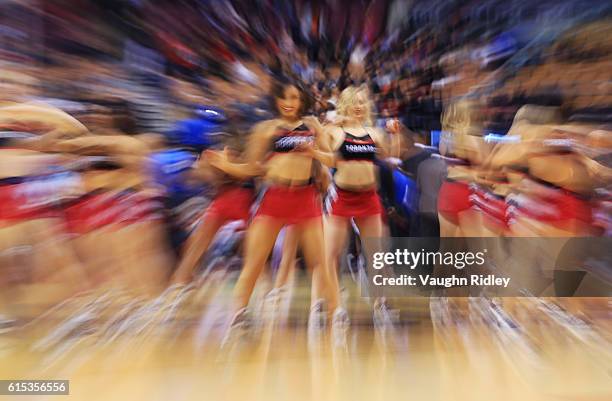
335,248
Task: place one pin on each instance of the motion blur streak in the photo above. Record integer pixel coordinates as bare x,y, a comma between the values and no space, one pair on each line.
110,110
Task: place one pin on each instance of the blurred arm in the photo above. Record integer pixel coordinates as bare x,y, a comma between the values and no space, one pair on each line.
256,151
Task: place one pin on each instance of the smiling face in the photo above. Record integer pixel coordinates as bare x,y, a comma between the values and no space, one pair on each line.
290,103
359,107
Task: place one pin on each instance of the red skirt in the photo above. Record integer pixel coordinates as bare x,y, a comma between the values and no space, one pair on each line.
17,204
233,203
356,203
453,198
291,204
493,209
557,210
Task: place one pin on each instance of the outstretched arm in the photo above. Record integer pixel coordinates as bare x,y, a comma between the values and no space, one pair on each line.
256,151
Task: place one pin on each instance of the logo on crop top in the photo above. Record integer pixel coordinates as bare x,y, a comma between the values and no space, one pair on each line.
290,142
361,148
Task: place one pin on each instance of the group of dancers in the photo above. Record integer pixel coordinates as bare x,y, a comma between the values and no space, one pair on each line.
280,178
290,158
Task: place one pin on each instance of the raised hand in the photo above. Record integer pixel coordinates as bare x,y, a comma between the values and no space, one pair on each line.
307,147
393,126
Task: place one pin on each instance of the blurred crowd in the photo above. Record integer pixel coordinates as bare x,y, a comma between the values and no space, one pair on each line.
135,57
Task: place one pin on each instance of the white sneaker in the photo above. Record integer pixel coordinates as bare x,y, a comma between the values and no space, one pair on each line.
317,319
238,328
384,317
340,326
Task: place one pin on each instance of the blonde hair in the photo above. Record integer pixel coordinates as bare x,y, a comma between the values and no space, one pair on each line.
347,99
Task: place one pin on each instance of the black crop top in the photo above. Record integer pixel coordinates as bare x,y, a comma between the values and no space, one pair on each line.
287,140
358,148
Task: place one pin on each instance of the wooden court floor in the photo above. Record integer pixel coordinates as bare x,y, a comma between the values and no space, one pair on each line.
130,349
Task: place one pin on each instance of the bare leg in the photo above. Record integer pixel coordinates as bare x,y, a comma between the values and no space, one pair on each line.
287,263
324,281
372,229
197,245
370,226
336,233
448,228
471,223
260,239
